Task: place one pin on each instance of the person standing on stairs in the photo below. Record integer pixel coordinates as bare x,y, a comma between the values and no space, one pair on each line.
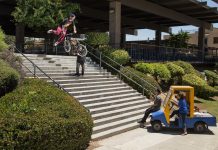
155,107
80,62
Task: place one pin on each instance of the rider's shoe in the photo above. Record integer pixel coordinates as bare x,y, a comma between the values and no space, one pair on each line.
49,31
55,44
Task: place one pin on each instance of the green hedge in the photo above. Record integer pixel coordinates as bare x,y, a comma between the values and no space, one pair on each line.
161,71
120,56
9,78
188,68
175,70
144,68
212,77
97,38
3,45
106,50
202,89
38,115
151,85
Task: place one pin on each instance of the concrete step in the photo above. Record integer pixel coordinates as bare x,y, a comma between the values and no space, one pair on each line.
115,131
98,95
108,98
90,83
39,73
114,102
42,64
64,71
53,66
110,113
118,117
117,107
116,124
76,77
99,91
94,87
80,80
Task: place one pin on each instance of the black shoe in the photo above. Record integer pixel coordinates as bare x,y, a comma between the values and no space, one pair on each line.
139,121
82,74
142,125
76,74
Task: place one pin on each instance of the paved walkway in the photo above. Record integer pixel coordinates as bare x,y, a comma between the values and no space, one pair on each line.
168,139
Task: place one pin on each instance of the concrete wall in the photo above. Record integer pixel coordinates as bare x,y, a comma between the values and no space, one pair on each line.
211,38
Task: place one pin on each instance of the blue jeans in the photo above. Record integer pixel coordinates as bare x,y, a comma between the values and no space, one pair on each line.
183,116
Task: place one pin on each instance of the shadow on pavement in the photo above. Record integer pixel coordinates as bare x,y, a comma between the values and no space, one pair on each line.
173,131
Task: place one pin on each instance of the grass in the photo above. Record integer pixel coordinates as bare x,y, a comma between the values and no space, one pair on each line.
210,105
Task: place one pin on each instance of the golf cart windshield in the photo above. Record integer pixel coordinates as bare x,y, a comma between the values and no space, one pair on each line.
167,98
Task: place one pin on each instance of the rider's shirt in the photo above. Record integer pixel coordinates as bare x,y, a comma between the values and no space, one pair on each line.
66,23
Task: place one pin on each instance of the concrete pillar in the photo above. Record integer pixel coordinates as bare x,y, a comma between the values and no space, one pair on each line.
115,23
201,41
157,43
20,36
123,39
158,38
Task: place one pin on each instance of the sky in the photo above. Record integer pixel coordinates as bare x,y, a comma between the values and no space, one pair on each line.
145,34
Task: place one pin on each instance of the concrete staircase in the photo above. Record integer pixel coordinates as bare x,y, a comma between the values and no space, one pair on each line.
115,107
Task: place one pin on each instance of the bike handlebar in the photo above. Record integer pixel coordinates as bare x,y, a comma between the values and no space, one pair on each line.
69,34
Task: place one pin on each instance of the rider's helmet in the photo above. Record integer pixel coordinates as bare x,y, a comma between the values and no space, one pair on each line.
72,15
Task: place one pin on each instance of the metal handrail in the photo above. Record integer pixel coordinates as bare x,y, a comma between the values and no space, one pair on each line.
167,47
120,73
34,73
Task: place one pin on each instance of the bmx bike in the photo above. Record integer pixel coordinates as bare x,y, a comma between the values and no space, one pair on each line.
73,46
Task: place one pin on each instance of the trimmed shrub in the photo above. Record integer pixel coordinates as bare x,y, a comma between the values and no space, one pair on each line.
175,70
188,68
144,68
150,85
202,89
176,73
120,56
9,78
3,45
161,72
97,38
106,50
14,61
38,115
212,77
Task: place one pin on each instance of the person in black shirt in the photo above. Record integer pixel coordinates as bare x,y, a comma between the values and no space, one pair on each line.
155,107
80,62
62,28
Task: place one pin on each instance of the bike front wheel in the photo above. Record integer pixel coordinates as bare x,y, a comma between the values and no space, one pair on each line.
67,46
82,50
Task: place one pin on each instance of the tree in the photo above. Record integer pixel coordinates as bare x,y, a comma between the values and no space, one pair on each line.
3,44
179,40
43,14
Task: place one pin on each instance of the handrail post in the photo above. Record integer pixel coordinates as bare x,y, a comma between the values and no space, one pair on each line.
100,61
34,67
143,91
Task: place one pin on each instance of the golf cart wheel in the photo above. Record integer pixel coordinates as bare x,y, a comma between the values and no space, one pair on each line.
200,127
67,46
156,126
